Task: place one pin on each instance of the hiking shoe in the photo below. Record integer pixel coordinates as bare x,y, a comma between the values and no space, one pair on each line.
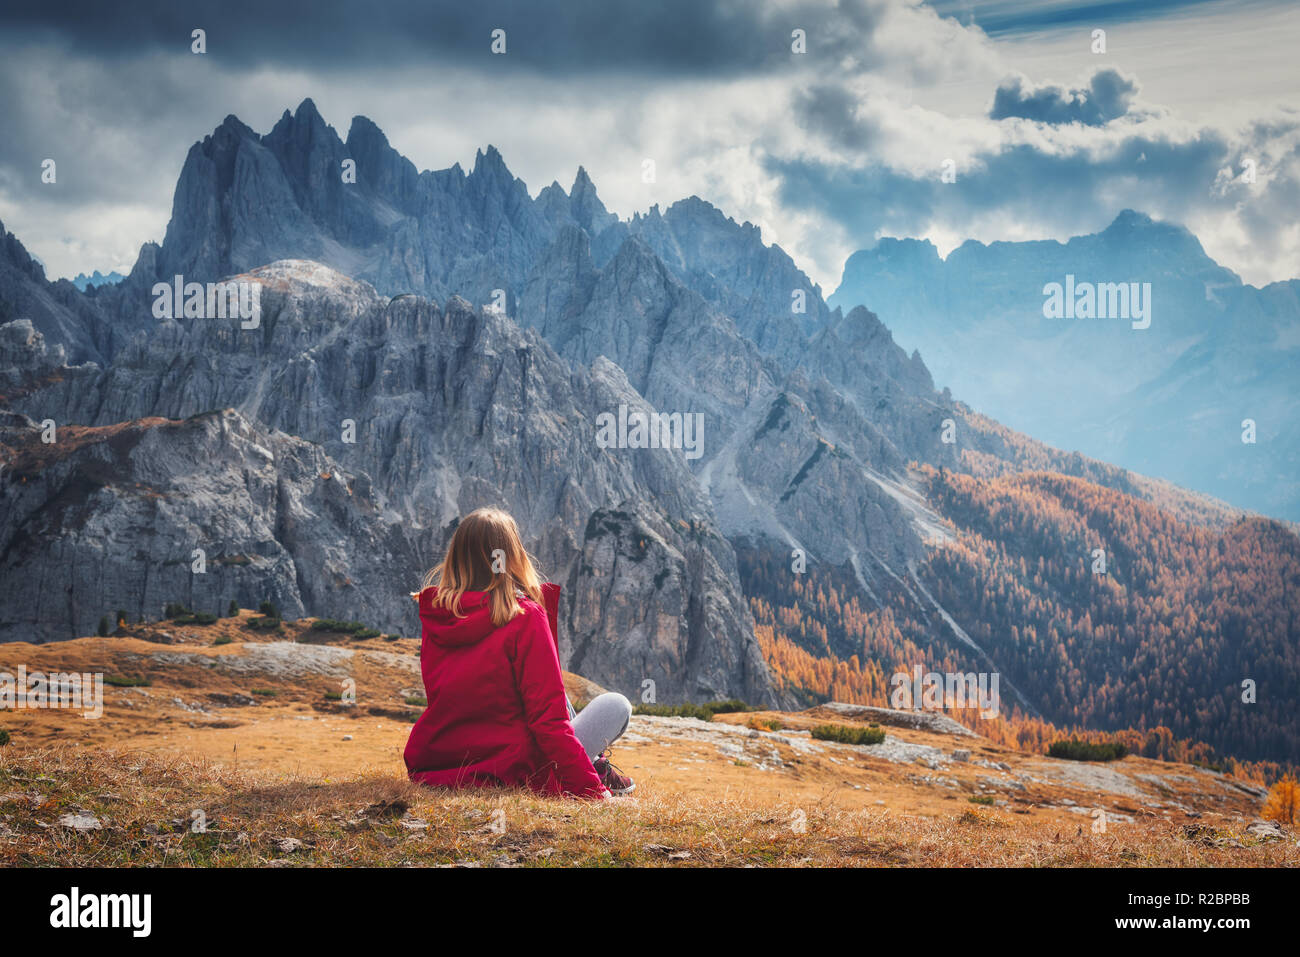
612,777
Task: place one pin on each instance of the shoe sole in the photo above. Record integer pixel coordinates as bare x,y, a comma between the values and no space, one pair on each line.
621,791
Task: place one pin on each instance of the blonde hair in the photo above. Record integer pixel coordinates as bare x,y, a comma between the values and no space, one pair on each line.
485,554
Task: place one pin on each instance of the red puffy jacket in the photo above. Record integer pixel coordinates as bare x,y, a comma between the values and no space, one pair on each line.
497,714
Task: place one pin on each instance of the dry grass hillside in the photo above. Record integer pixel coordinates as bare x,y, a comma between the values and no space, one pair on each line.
241,749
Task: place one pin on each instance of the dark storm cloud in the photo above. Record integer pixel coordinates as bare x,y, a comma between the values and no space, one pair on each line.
123,97
115,96
1108,96
831,111
104,137
569,37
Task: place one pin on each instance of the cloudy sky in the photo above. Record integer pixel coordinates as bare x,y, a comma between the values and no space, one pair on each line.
826,150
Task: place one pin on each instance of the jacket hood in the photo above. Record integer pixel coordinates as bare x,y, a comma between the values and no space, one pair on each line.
476,624
445,628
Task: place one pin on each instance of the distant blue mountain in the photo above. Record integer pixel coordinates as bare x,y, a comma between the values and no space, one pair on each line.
1167,400
97,278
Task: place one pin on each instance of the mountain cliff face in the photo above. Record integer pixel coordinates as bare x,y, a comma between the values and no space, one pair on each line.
111,517
58,310
451,409
1167,400
381,366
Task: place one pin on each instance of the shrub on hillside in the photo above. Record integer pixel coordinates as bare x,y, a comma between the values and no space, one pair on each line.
847,734
4,737
1076,750
354,628
233,610
122,681
196,618
704,712
269,609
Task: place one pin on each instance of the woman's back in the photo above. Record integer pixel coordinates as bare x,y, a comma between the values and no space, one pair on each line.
497,713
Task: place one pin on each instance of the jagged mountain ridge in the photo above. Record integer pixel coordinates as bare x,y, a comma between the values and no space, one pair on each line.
208,238
97,278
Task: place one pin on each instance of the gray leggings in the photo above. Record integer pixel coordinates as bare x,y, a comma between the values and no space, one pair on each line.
602,722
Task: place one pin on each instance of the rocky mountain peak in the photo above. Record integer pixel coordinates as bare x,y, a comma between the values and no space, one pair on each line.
1132,233
232,128
1128,220
304,121
15,255
587,209
490,164
889,249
